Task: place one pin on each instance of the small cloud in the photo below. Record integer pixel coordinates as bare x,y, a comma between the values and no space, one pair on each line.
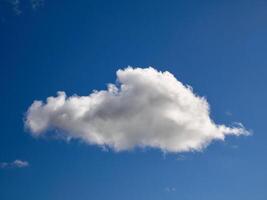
170,189
180,158
228,113
14,164
234,146
16,6
20,7
37,4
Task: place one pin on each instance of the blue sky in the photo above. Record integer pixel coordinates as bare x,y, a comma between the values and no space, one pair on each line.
216,47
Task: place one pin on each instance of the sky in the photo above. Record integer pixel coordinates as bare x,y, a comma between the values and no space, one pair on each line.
182,75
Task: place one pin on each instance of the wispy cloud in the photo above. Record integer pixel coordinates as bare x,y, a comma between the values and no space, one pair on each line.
36,4
180,157
15,4
19,6
170,189
16,7
228,113
234,146
14,164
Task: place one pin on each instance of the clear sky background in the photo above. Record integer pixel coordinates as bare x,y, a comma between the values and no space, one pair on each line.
217,47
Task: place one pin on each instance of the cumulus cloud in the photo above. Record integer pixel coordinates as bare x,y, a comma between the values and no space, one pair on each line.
14,164
145,108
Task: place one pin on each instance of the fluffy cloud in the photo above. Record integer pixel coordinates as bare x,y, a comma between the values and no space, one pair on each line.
14,164
145,108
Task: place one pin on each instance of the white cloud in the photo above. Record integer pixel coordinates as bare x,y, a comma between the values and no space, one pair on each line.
170,189
14,164
146,108
180,158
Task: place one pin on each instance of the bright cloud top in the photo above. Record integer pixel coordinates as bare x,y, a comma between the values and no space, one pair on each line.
146,108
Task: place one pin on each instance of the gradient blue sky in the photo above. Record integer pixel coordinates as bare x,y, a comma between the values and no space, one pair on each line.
217,47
